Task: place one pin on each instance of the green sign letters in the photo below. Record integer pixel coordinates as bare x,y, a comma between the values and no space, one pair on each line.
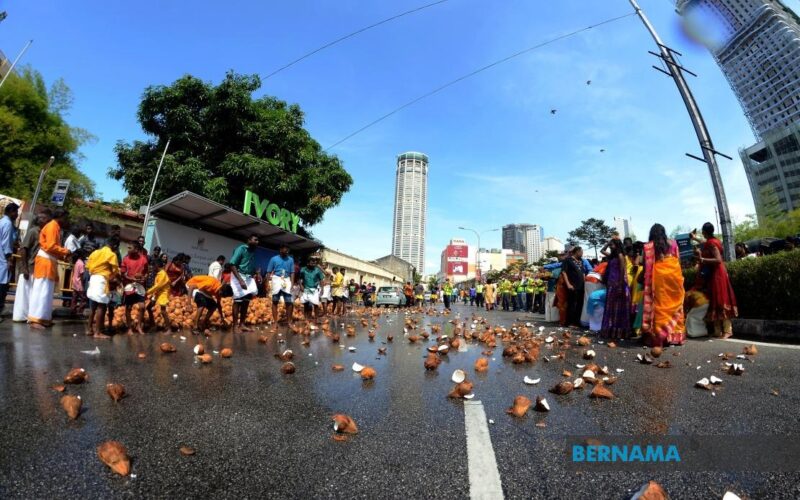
274,214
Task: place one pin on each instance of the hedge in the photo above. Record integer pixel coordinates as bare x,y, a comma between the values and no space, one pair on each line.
766,287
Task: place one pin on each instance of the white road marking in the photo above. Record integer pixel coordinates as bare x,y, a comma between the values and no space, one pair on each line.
766,344
484,478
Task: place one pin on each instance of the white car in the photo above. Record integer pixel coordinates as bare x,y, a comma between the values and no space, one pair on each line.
390,296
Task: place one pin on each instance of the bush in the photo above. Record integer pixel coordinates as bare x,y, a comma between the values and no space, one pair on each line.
765,287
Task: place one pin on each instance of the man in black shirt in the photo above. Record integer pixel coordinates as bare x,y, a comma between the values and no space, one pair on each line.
572,267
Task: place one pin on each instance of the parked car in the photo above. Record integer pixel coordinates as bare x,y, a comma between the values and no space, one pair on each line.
390,296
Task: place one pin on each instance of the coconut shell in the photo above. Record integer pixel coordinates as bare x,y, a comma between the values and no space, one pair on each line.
541,404
114,455
343,424
432,362
562,388
520,407
59,387
651,491
389,338
368,373
584,341
141,355
337,368
481,365
71,405
461,390
566,373
656,352
510,351
187,451
518,358
166,347
226,352
413,339
455,343
601,392
262,339
116,391
750,350
288,368
199,349
76,376
205,359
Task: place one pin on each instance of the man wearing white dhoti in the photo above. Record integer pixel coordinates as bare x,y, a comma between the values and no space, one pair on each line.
45,271
8,236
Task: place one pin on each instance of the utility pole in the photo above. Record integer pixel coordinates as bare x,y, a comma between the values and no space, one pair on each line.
42,173
704,138
24,49
153,189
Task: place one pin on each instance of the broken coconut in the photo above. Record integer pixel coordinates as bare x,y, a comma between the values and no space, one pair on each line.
287,368
703,383
76,376
750,350
116,391
199,349
114,455
520,406
562,388
600,392
432,362
357,368
166,347
205,358
368,373
343,424
71,405
461,390
590,354
226,352
541,404
337,368
481,365
531,381
458,376
650,491
584,341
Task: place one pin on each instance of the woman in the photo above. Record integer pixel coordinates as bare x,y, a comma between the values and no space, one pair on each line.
489,295
617,314
662,321
722,301
176,275
636,282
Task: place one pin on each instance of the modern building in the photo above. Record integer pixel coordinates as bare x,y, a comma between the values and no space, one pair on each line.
757,50
553,244
622,226
526,239
410,209
757,46
458,261
773,166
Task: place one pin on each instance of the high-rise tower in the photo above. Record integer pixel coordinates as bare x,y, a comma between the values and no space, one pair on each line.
410,209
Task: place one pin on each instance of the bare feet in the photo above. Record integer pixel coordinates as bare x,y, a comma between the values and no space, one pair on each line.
140,331
100,336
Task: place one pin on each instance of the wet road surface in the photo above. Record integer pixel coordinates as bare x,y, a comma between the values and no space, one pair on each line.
258,433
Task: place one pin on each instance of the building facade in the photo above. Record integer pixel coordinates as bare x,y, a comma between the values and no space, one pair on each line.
553,244
361,270
526,239
773,166
623,227
759,53
458,261
410,209
398,266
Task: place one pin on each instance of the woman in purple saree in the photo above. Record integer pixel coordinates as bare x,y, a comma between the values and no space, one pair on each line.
617,315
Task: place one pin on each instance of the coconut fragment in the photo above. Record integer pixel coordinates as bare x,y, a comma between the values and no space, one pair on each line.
71,405
541,404
531,381
458,376
578,383
590,354
650,491
715,380
357,367
703,383
76,376
115,456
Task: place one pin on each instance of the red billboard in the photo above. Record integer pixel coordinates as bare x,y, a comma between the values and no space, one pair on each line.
457,260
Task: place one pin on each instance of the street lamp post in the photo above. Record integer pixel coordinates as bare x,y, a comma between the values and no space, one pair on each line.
478,252
706,146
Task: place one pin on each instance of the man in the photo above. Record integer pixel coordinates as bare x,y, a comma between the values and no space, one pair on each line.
505,292
71,243
153,261
447,289
479,294
89,242
337,290
103,269
142,249
244,287
280,276
205,290
572,269
134,274
352,294
522,295
45,271
215,268
117,231
28,250
8,237
311,277
408,291
419,294
472,294
325,298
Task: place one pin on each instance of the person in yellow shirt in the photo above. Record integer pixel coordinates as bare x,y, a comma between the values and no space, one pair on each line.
205,292
103,268
45,271
158,295
337,290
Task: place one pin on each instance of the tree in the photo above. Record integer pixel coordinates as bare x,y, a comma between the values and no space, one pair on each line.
224,142
432,283
32,129
593,232
549,254
417,278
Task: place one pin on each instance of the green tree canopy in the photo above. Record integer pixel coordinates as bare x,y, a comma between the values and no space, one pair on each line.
32,128
593,232
224,142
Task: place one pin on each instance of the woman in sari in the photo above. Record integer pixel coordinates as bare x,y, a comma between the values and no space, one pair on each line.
617,314
636,281
722,302
176,275
662,321
489,295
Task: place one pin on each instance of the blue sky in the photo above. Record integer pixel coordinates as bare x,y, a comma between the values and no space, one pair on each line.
492,140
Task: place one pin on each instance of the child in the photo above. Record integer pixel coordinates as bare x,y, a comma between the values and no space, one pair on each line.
205,291
158,295
78,290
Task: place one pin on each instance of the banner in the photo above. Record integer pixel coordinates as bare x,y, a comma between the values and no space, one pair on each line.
203,247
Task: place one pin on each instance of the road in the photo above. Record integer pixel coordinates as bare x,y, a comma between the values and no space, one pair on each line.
259,433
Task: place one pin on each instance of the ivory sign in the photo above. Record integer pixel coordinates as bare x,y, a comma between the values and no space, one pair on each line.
270,212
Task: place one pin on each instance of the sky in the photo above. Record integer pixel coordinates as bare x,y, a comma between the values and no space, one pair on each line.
497,154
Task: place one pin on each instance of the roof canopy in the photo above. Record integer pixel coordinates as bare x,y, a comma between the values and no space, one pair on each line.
191,209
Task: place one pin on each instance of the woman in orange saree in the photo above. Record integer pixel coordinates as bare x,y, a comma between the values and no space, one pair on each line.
662,321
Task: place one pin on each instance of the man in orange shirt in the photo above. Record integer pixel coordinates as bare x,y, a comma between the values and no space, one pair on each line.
45,271
205,292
